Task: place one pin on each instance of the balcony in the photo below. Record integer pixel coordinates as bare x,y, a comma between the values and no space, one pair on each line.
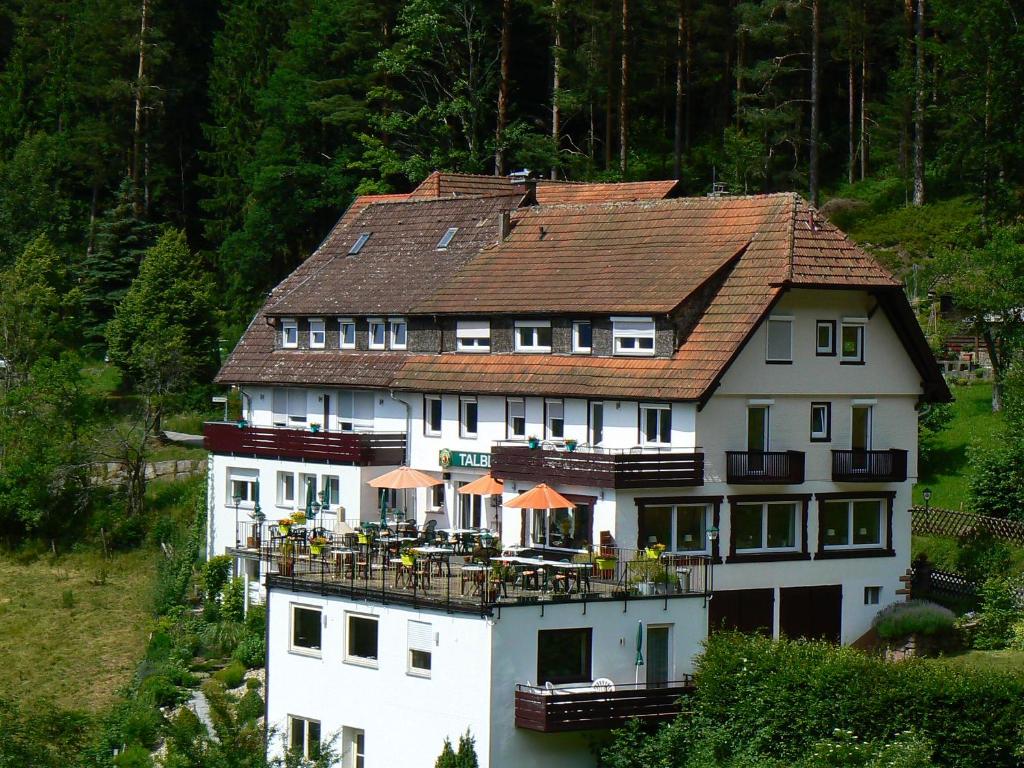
597,467
764,467
869,466
359,448
587,709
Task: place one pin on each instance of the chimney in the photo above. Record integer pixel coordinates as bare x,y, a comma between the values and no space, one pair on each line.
504,225
525,185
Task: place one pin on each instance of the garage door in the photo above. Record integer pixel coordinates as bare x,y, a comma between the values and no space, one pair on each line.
812,612
742,610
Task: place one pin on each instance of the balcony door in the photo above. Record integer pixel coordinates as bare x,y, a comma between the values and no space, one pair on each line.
471,507
860,436
757,436
659,656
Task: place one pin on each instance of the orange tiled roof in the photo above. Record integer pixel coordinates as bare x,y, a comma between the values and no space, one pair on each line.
626,256
549,192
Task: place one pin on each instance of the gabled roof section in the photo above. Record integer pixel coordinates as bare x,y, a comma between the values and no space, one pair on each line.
645,257
400,265
549,192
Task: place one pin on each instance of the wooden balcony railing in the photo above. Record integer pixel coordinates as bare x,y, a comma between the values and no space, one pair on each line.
600,468
869,466
361,448
764,467
586,708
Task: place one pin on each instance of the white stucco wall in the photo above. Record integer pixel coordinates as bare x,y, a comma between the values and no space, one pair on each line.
405,717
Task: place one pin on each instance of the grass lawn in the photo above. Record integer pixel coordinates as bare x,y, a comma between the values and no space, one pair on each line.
946,472
78,656
1011,662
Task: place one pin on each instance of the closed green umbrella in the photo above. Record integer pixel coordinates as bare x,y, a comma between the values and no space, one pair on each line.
639,649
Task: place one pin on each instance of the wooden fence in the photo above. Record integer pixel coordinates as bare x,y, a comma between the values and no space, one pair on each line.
952,523
933,583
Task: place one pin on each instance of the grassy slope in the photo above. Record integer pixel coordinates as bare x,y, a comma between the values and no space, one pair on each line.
76,657
946,473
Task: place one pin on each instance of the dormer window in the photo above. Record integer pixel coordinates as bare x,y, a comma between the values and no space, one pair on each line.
357,246
633,336
347,333
289,334
473,336
446,238
399,333
378,339
582,337
533,335
317,334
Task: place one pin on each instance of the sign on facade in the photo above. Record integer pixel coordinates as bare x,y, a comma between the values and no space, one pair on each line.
447,458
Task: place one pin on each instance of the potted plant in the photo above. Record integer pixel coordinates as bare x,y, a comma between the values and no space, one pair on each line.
648,576
284,525
533,441
242,423
317,544
654,551
570,444
287,562
299,517
606,562
314,427
362,537
408,558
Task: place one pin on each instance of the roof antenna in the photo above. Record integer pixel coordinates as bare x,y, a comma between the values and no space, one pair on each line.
717,187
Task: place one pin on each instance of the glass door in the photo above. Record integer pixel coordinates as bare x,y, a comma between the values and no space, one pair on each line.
659,656
757,437
470,509
860,436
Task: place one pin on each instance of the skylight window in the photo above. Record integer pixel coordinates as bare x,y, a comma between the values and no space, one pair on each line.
446,238
359,243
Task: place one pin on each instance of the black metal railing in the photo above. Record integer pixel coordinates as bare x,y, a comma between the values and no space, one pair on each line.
857,466
764,467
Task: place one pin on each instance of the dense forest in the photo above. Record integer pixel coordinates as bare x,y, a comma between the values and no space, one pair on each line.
250,124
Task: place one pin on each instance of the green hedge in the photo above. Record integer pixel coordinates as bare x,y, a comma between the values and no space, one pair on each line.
780,697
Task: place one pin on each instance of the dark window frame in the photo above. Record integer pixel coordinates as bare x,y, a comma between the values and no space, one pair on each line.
828,421
293,644
428,429
358,658
550,637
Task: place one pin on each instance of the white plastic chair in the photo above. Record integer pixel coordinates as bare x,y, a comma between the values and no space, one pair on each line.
604,684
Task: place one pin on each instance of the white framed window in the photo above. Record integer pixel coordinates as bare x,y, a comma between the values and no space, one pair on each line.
353,754
304,737
317,334
355,410
582,337
851,339
297,406
421,645
533,335
597,422
473,336
286,489
471,509
780,339
554,419
680,527
307,489
825,338
633,336
306,629
357,246
399,332
872,595
377,334
289,333
332,490
243,484
655,424
446,238
516,425
764,526
852,523
432,413
361,639
821,422
468,417
347,333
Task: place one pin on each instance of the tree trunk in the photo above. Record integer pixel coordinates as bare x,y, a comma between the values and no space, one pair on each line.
689,70
503,87
609,102
852,148
677,164
919,105
864,104
556,76
624,94
139,89
815,109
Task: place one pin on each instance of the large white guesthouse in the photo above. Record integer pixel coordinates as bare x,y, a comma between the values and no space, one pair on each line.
725,389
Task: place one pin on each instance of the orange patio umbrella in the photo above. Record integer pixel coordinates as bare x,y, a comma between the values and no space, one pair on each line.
484,486
404,477
542,496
